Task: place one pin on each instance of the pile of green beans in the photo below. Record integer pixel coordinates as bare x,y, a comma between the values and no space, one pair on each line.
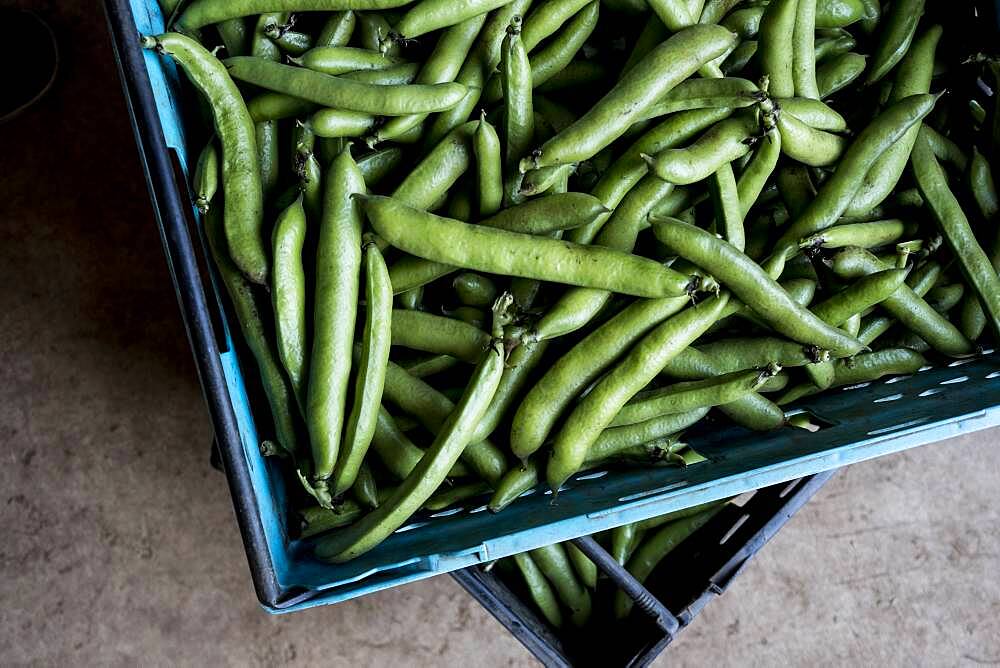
476,245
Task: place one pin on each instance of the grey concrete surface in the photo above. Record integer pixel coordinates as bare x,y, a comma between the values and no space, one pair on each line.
119,546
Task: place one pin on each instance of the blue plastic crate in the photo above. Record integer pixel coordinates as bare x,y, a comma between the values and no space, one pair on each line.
861,422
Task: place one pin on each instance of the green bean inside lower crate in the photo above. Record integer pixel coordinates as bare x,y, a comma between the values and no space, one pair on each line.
474,249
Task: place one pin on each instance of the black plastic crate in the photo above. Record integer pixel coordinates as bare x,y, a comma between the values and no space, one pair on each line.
710,559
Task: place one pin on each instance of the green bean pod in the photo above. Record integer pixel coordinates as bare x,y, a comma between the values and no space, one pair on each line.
624,540
337,29
428,366
756,174
431,409
434,176
546,18
317,519
598,408
343,59
777,29
920,280
396,452
365,489
429,15
275,106
397,75
291,42
234,36
667,65
539,589
241,185
804,50
625,172
206,176
752,286
744,22
838,13
858,297
551,213
912,311
261,45
726,202
479,64
814,113
865,235
728,92
342,93
726,141
518,116
972,259
515,482
578,306
200,13
453,494
836,193
875,365
377,165
340,123
682,397
580,366
831,47
899,27
277,389
554,563
370,379
288,295
441,66
411,272
806,144
430,472
338,269
489,167
912,77
839,72
972,319
511,254
585,569
740,57
437,334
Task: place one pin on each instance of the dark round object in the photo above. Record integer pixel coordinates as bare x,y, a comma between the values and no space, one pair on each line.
30,47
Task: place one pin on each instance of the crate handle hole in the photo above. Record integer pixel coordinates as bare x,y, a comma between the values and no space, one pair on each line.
955,363
898,427
733,529
651,492
891,397
446,513
477,510
410,527
858,386
807,420
993,374
954,381
930,392
788,488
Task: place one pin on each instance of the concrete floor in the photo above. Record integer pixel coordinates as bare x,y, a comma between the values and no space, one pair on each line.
119,544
